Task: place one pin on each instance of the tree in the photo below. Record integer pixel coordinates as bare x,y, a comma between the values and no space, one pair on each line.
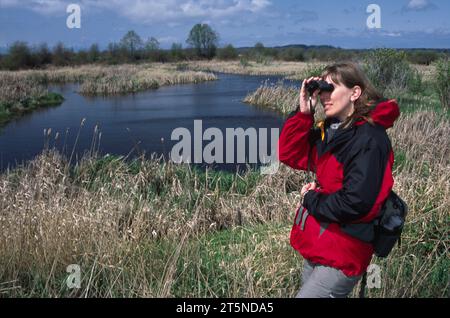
43,55
227,53
82,57
204,39
260,53
259,48
112,53
176,52
152,44
131,42
61,55
93,53
19,56
292,54
152,51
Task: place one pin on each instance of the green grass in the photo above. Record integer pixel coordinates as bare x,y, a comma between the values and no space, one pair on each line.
10,110
400,160
424,99
226,263
207,180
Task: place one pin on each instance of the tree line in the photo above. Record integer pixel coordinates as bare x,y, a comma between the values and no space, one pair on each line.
202,43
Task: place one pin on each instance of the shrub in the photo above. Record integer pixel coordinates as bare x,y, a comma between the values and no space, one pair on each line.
415,84
264,60
19,57
244,62
312,70
389,71
442,81
292,54
227,53
422,57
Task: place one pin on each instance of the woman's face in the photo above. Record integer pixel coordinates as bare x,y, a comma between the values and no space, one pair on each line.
338,103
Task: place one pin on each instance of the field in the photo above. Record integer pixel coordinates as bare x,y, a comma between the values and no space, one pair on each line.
292,70
151,228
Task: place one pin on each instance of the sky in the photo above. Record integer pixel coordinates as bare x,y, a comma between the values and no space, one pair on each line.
343,23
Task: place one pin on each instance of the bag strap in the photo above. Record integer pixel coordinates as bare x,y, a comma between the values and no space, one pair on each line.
308,171
363,285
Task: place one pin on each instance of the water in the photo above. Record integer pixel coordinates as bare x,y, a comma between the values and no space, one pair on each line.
136,123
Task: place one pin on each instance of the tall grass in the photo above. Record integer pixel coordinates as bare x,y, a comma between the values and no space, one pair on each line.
420,267
106,80
281,98
246,67
150,228
135,79
390,72
275,96
105,214
291,70
19,96
442,82
311,70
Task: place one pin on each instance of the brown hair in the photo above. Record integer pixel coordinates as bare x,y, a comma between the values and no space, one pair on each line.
350,74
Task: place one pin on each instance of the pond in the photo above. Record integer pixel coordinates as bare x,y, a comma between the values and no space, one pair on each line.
143,122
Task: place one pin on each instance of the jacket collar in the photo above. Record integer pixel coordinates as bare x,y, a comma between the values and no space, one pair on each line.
384,113
341,136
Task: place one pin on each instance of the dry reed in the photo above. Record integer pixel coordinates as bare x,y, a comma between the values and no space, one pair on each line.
105,80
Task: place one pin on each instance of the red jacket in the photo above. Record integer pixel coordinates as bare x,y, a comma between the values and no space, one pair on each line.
354,174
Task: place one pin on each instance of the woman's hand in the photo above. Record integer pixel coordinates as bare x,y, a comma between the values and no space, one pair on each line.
304,98
307,187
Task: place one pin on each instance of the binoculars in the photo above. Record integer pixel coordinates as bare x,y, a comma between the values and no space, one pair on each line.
322,86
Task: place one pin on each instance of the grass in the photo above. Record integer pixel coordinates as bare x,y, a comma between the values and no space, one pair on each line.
139,78
290,70
278,97
245,67
167,203
147,228
109,80
20,96
240,262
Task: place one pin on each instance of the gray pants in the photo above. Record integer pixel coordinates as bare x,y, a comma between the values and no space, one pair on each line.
321,281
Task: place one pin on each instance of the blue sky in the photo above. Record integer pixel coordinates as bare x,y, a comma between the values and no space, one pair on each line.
404,23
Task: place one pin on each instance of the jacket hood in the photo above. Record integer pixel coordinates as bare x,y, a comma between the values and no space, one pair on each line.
384,113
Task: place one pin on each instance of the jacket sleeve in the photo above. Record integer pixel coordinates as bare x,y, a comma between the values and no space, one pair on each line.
294,143
363,177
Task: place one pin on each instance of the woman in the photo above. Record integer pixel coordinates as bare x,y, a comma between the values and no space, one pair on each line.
352,158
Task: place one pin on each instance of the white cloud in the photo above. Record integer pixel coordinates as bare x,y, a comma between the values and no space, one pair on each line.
419,5
393,34
168,40
259,4
46,7
149,11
